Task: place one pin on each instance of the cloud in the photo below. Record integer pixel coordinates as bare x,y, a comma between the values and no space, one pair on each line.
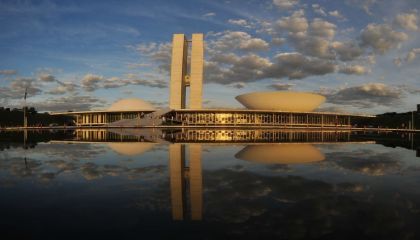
90,82
46,77
337,14
294,23
157,52
285,4
236,40
63,88
281,86
209,14
17,88
381,37
74,103
157,83
315,40
298,66
397,61
138,65
411,56
278,41
353,69
364,4
407,21
372,163
247,68
366,96
238,85
322,28
8,72
240,22
347,51
319,10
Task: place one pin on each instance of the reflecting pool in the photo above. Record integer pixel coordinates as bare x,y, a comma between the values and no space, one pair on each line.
209,183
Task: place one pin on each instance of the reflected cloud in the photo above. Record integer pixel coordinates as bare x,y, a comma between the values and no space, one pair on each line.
367,162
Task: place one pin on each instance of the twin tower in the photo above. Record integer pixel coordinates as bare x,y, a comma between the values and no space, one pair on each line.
185,75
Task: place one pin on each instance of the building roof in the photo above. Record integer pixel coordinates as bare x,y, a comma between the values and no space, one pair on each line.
131,104
281,100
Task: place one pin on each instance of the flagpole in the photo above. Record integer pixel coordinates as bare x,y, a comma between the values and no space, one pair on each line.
25,118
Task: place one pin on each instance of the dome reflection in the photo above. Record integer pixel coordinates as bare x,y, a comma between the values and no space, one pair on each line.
289,153
131,148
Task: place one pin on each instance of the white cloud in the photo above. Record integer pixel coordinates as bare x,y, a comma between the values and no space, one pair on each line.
411,56
209,14
337,14
322,28
294,23
236,40
407,21
354,69
319,10
285,4
278,41
381,37
240,22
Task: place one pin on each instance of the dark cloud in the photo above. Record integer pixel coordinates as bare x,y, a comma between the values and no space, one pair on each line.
46,77
17,88
281,86
347,51
367,162
90,82
298,66
366,95
65,103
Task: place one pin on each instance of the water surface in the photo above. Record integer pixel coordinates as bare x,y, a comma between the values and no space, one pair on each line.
209,184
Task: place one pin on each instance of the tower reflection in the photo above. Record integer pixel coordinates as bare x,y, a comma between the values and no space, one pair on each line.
183,177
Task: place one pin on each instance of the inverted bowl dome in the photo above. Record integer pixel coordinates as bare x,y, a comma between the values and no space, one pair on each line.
131,104
281,101
131,148
281,153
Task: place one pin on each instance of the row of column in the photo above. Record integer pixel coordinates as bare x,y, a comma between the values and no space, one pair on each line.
191,118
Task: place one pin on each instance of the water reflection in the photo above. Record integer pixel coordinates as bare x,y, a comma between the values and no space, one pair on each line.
221,183
296,153
183,175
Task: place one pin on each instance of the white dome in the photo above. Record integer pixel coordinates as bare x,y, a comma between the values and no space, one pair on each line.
281,101
131,104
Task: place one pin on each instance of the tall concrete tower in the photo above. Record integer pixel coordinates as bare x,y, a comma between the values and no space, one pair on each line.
181,78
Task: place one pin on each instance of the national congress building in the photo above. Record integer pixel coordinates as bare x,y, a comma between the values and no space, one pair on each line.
279,108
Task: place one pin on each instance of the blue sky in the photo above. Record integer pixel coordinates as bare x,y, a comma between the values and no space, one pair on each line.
363,55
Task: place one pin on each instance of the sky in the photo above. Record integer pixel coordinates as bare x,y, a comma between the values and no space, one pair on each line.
363,55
